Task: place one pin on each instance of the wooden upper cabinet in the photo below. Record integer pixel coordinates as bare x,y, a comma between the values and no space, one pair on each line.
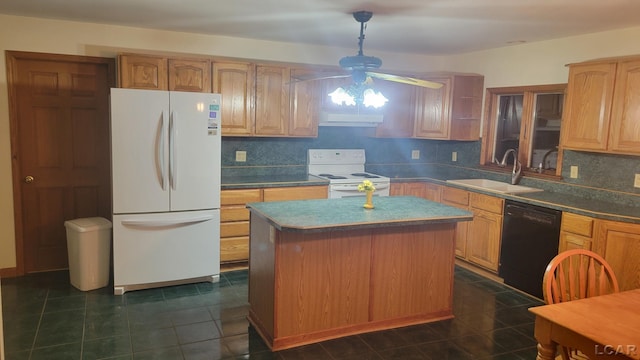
142,72
432,111
399,112
235,81
305,104
587,109
624,130
190,75
272,100
466,107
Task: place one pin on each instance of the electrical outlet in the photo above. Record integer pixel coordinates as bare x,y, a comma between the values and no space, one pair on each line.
415,154
241,156
636,181
454,156
574,172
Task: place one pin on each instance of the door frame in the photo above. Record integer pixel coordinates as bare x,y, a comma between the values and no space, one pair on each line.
12,58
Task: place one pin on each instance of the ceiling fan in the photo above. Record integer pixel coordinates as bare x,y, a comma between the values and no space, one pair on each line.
361,67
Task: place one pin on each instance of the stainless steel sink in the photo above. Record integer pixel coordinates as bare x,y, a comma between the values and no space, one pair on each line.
495,186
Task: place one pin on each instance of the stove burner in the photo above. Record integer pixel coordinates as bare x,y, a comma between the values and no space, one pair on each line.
365,175
333,177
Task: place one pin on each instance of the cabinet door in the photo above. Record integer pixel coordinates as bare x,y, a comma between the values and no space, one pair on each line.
143,72
432,111
305,104
272,100
399,112
619,243
483,239
235,81
460,199
190,75
569,241
587,110
624,130
295,193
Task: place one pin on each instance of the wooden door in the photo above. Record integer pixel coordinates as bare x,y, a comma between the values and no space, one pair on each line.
59,116
143,72
587,109
399,112
624,129
272,100
305,104
235,81
619,244
190,75
432,111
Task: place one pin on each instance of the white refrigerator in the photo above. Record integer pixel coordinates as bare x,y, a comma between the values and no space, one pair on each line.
166,188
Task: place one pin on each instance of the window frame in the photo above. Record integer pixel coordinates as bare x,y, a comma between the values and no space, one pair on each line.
491,111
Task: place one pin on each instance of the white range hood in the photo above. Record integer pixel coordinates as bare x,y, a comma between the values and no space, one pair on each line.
341,119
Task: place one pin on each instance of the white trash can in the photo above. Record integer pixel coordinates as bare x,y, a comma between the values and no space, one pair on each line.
89,248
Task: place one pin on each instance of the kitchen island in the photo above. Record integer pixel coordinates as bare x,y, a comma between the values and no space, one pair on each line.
323,269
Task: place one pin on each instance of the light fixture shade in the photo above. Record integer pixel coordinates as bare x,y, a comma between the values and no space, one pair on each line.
358,94
373,99
341,97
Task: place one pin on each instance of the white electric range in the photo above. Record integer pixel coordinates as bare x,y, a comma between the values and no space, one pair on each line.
344,168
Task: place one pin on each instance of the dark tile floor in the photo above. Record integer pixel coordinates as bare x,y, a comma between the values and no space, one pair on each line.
46,318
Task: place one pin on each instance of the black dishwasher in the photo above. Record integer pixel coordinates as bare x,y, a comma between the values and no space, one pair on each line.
529,241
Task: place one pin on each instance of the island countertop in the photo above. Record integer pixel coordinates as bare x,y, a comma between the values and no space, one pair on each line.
348,213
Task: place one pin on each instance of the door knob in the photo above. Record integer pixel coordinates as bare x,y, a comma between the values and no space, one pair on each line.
28,179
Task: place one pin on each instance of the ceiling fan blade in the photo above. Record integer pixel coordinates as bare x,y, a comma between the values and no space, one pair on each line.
301,79
406,80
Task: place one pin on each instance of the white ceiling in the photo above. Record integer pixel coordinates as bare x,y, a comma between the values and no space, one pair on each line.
430,27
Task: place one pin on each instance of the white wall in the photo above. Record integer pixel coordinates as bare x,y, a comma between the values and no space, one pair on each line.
536,63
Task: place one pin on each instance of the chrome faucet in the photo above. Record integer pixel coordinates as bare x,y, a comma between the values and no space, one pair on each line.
544,159
516,173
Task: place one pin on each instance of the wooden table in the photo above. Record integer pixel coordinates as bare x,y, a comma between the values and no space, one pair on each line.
601,327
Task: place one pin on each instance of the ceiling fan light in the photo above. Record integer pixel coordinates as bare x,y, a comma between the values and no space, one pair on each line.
372,98
341,97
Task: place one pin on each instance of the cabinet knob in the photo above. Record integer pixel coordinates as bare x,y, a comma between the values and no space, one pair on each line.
29,179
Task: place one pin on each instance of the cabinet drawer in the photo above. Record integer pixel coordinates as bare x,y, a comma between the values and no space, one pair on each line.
486,202
234,249
295,193
240,197
234,213
577,224
237,228
456,196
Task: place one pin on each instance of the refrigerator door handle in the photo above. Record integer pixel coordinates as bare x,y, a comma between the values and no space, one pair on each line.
166,222
173,146
160,150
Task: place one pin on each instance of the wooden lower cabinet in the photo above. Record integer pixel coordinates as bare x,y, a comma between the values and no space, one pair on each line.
234,223
295,193
460,199
484,233
234,216
619,244
576,232
423,190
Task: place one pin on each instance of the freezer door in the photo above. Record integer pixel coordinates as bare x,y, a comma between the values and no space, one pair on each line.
194,151
150,249
139,148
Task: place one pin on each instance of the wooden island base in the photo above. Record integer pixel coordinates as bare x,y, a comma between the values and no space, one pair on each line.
307,287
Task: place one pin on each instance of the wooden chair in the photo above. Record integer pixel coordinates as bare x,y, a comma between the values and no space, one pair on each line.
577,274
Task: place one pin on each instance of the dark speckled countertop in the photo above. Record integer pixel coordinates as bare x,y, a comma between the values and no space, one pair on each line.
264,181
348,213
554,196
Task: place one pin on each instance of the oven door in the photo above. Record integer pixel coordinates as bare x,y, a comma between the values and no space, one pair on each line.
337,191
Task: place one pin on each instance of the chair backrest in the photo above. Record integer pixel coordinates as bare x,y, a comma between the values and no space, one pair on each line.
577,274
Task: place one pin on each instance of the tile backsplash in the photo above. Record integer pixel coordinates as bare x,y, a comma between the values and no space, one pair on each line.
282,155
